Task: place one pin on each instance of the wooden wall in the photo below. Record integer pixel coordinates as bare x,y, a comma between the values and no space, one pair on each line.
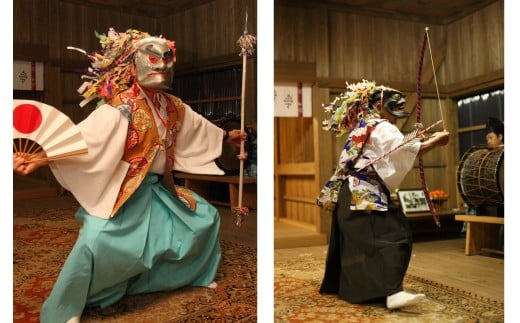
205,38
209,30
347,46
301,36
475,46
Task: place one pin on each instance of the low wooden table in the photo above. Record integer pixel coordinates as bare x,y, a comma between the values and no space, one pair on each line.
481,233
201,184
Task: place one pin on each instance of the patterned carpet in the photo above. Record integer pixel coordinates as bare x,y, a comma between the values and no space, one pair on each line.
296,299
44,236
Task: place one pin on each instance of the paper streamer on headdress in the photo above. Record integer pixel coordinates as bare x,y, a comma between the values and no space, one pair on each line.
47,127
246,42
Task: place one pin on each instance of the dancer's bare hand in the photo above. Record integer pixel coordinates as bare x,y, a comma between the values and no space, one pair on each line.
24,164
236,137
242,156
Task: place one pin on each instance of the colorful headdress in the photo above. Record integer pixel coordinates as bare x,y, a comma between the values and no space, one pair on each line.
112,69
351,106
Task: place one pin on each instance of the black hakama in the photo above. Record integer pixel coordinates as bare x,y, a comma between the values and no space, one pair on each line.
368,253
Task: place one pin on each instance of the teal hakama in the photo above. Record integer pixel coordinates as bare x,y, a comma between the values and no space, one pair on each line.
153,243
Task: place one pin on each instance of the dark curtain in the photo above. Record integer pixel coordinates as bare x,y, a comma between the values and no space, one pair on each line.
198,90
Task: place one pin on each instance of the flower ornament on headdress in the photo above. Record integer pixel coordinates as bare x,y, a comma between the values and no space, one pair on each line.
351,107
112,69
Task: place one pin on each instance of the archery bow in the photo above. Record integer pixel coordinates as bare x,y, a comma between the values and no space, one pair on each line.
425,41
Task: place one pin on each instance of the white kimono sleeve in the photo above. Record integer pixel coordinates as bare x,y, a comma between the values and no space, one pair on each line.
95,178
198,144
393,168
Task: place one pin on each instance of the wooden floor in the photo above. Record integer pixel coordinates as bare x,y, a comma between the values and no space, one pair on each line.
443,261
289,234
446,262
245,234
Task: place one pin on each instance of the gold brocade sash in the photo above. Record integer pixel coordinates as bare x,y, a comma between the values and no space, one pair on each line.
186,197
143,143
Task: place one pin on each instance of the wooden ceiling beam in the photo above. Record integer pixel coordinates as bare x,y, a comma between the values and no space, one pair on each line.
488,82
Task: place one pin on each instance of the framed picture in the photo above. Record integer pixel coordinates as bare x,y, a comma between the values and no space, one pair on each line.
413,200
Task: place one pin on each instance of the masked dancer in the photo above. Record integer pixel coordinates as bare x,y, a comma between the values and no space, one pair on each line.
371,241
139,233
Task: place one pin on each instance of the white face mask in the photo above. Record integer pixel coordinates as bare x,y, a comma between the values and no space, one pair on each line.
154,62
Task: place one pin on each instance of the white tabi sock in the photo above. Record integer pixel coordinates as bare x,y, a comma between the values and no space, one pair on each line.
402,299
74,319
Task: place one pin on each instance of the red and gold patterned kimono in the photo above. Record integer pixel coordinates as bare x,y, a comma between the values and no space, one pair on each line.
143,142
